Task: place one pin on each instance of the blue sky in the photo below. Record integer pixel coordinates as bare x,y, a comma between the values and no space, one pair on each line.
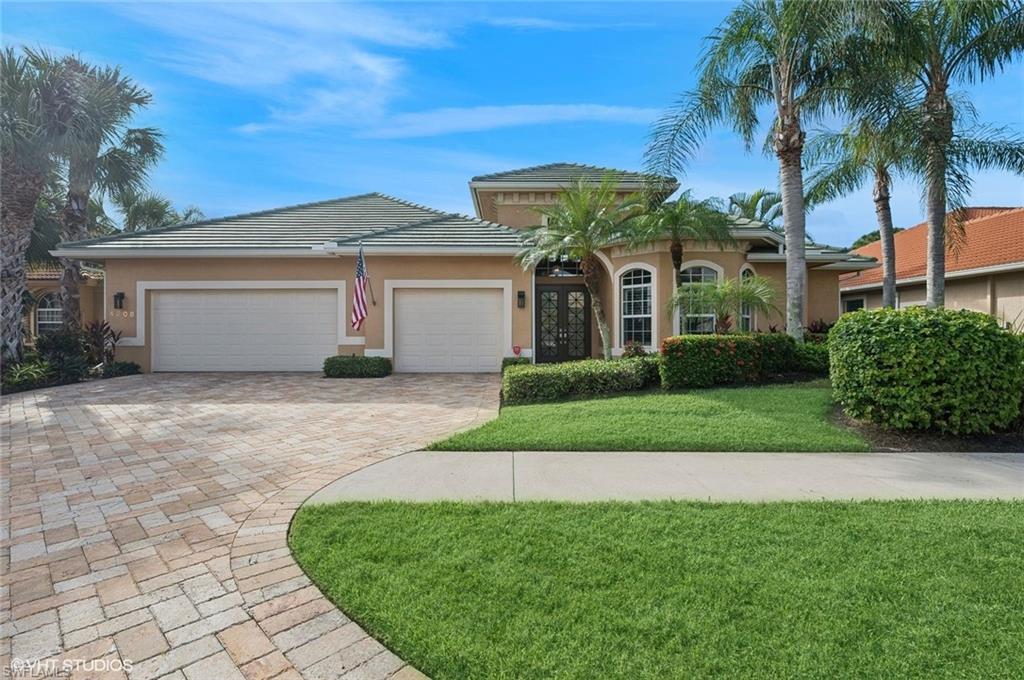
266,105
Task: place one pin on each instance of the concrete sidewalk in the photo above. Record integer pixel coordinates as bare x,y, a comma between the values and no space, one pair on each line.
532,476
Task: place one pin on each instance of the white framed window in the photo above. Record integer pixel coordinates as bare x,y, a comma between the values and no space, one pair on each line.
746,313
853,304
49,314
637,307
695,321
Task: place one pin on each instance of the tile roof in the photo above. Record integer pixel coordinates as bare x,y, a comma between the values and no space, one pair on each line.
50,270
444,230
313,224
566,172
993,236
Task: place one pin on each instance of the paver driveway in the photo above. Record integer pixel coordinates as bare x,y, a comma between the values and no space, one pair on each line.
145,518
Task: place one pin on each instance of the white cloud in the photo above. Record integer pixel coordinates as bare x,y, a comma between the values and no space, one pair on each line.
476,118
314,63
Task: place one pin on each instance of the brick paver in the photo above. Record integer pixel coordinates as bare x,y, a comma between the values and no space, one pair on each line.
145,518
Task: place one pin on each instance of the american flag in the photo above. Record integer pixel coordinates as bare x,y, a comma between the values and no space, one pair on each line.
359,296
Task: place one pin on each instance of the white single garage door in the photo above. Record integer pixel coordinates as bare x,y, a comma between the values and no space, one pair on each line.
441,330
244,330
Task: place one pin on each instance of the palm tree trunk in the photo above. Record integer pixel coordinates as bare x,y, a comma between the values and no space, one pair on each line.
791,186
937,134
935,278
74,227
17,207
676,250
591,267
883,213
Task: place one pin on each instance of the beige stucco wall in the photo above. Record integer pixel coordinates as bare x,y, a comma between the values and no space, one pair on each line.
1001,295
518,208
122,275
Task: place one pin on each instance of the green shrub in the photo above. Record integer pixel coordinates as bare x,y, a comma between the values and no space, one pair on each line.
513,361
66,354
650,366
357,367
28,375
633,349
707,360
951,371
777,352
811,358
121,368
549,382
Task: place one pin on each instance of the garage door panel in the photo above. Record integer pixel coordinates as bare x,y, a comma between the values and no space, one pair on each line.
242,330
448,330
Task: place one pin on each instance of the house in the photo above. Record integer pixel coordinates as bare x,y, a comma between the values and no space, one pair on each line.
985,272
272,290
43,311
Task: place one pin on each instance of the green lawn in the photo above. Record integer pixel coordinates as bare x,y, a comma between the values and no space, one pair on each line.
907,589
771,418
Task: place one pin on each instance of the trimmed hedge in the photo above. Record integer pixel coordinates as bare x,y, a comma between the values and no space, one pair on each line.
778,353
590,377
811,358
357,367
514,361
707,360
951,371
118,369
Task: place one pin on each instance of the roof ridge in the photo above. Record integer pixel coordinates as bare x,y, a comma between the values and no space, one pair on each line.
391,229
410,203
254,213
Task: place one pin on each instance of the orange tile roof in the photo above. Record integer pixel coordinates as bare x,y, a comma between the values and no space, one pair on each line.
993,236
50,270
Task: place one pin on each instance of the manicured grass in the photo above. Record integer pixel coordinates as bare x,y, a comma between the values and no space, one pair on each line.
769,418
654,590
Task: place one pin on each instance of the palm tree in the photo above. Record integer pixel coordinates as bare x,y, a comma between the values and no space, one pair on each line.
939,43
40,111
585,219
113,158
761,205
727,299
145,210
684,219
780,53
864,151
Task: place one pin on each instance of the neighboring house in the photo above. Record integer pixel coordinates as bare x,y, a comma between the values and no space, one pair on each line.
272,290
43,313
985,273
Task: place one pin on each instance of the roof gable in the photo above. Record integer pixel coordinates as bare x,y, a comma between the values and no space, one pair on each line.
554,173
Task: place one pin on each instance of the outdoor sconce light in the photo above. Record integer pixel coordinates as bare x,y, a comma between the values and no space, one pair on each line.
521,299
118,300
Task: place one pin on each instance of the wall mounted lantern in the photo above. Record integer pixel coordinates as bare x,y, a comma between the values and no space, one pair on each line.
118,300
521,299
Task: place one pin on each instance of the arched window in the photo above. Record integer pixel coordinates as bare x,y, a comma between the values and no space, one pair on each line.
49,314
746,314
695,321
636,307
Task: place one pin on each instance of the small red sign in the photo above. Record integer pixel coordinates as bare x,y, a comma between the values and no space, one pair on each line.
516,349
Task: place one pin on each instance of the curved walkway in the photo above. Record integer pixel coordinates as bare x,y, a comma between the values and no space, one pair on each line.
145,519
578,476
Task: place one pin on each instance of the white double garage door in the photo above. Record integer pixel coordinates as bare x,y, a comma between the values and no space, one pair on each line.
433,330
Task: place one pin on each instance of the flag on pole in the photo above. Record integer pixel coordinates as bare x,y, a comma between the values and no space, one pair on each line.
359,295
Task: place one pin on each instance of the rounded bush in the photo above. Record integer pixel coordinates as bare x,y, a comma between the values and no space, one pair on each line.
927,369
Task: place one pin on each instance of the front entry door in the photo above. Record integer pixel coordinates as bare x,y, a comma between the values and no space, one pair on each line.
563,323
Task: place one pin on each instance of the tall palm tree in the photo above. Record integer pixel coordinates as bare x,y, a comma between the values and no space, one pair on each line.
727,299
681,220
585,219
112,158
40,111
146,210
760,205
777,53
864,151
940,43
